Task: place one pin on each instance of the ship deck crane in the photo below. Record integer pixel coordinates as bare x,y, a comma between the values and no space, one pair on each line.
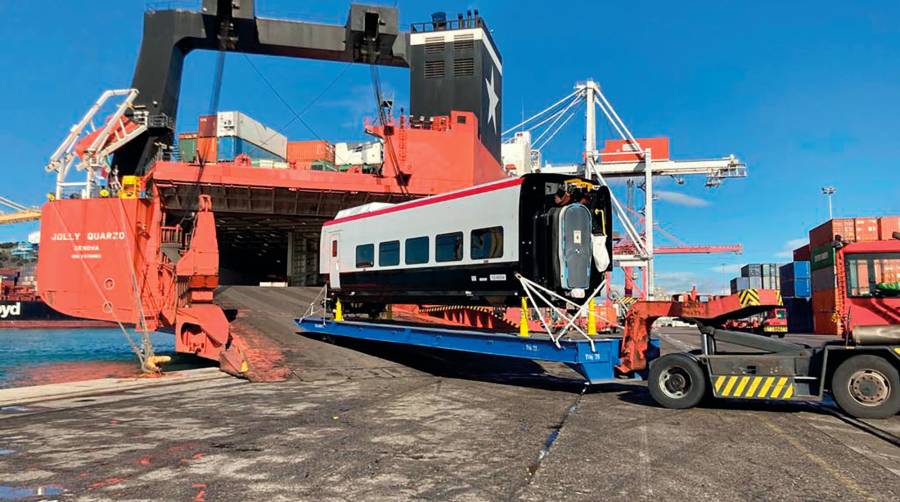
20,214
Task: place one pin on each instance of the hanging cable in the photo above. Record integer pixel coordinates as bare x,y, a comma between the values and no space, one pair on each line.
281,98
217,83
556,119
540,113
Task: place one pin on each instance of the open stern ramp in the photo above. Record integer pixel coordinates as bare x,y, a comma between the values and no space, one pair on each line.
596,365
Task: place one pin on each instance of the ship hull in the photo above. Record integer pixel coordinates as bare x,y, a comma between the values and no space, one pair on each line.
37,314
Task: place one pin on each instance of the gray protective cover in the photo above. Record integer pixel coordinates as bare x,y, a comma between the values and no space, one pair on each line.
574,248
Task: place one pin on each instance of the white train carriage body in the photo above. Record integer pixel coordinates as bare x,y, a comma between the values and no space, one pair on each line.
466,247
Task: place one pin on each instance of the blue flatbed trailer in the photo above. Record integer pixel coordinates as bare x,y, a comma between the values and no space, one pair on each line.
596,365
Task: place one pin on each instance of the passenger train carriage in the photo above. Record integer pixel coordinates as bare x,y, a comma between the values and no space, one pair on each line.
466,247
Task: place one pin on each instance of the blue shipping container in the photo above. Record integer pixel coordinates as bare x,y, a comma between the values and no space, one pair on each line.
796,287
230,147
797,269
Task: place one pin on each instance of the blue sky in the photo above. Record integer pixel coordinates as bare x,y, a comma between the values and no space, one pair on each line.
806,93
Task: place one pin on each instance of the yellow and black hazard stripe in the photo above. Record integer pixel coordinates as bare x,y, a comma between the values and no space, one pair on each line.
627,301
749,297
778,297
753,387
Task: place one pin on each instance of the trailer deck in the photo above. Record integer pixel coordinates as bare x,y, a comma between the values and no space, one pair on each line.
594,359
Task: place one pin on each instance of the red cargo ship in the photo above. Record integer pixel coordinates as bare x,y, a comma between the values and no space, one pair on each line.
21,307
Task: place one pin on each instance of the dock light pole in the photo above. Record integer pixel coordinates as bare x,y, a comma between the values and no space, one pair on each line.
829,192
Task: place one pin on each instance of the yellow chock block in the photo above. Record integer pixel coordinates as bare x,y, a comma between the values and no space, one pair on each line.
338,311
592,318
523,319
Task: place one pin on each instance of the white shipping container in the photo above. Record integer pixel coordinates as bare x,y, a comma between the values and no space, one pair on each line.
359,153
242,126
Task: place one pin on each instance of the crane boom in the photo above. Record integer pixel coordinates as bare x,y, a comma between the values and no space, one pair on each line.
727,248
20,214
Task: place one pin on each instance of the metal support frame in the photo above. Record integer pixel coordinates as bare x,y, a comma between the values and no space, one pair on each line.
113,135
534,290
552,118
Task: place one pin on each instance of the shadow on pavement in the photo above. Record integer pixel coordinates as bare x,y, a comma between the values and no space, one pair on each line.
456,364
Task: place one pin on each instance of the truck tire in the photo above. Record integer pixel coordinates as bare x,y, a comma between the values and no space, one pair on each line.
867,386
676,381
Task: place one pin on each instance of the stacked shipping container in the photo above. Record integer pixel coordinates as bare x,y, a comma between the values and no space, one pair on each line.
756,276
796,289
224,136
315,155
824,275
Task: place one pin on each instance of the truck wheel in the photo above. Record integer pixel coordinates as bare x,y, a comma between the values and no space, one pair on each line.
867,386
676,381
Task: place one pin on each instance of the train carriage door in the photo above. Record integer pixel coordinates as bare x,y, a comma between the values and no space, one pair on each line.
334,259
574,246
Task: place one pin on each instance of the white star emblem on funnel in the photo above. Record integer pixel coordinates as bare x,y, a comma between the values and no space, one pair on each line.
493,100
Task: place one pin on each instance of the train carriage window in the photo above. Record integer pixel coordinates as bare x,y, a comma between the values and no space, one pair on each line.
448,247
416,250
389,254
365,256
486,243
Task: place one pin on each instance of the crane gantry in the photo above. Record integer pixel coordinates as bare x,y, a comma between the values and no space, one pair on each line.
626,157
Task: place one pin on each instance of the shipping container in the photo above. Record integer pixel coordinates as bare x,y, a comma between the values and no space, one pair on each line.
240,125
229,147
825,324
824,300
308,151
826,232
823,279
270,164
802,253
849,229
206,126
866,229
358,154
795,269
800,288
799,314
187,146
206,149
822,257
751,270
770,282
887,225
755,282
739,284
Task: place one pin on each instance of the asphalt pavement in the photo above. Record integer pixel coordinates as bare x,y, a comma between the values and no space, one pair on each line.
372,422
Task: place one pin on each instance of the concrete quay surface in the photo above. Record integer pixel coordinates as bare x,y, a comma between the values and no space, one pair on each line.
359,421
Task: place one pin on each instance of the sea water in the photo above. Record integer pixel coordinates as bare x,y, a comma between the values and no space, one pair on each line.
40,356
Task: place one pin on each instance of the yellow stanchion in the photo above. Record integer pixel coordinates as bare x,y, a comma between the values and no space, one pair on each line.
523,319
592,318
338,311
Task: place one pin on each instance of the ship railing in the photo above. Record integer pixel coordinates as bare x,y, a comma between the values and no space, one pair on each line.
172,235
